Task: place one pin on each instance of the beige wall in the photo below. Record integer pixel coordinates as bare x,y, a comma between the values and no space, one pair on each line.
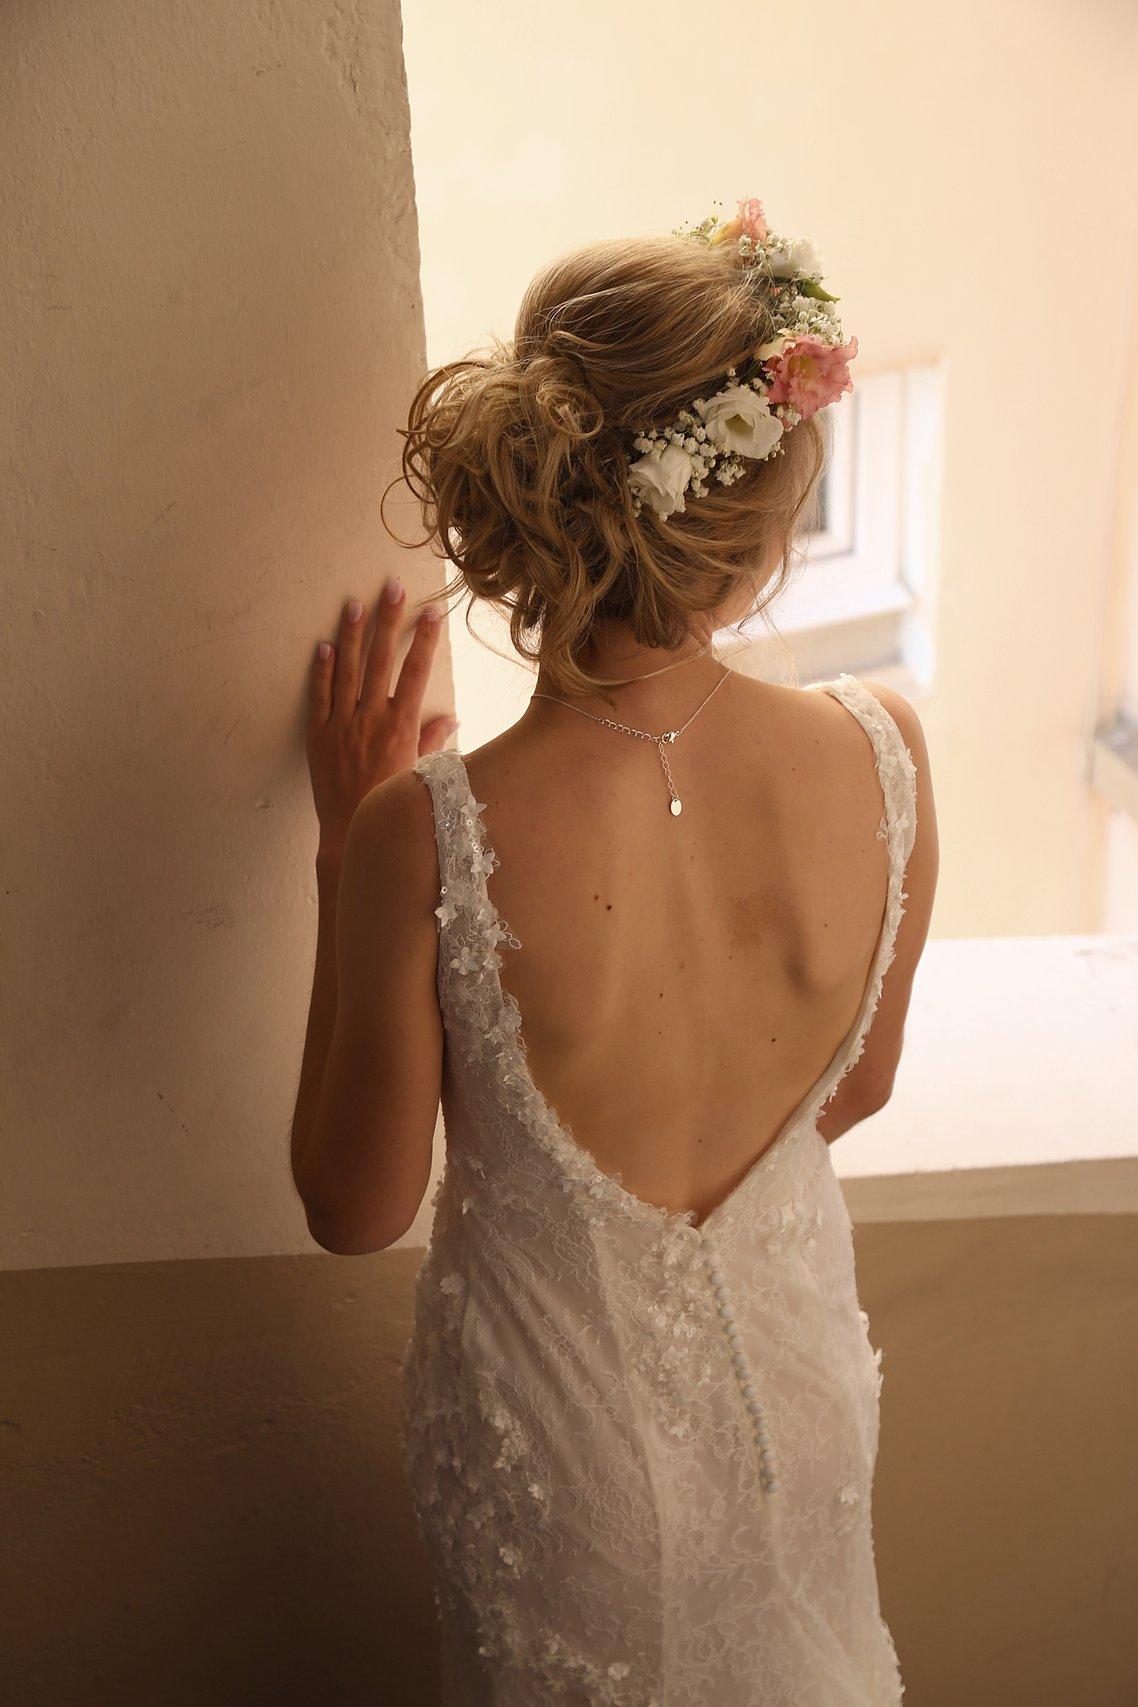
1118,684
969,174
212,322
207,1503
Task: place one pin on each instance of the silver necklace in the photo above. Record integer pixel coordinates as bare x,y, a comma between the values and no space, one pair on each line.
669,736
626,681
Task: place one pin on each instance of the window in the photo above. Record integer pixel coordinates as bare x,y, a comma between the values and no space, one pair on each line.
863,599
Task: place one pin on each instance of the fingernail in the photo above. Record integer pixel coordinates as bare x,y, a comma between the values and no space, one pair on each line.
323,650
452,725
432,616
393,591
355,611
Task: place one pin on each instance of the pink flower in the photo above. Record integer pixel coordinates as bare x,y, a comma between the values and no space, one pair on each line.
809,374
748,222
752,222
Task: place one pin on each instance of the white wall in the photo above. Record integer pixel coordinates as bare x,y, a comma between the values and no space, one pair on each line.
213,322
969,175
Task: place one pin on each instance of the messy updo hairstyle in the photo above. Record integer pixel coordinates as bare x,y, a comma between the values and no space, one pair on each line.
519,454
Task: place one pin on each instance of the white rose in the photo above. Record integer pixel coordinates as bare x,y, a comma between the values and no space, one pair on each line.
740,420
787,260
662,481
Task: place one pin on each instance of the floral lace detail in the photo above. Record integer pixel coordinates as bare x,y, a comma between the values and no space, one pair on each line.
579,1440
878,1354
796,1224
897,829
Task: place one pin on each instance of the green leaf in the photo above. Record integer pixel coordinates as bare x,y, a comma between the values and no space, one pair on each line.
811,287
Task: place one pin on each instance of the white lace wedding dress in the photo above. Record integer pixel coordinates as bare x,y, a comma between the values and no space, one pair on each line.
641,1450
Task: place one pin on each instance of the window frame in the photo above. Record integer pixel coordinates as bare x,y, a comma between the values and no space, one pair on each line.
863,595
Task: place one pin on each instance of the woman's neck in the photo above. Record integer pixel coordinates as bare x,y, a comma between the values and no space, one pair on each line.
616,657
622,665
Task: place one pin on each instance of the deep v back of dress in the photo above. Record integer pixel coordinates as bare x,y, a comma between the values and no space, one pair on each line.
641,1444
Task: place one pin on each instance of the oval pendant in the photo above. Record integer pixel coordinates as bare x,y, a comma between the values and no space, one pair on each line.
676,808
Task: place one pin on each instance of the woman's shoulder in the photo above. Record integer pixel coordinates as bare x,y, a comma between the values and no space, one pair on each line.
789,718
899,708
905,716
394,833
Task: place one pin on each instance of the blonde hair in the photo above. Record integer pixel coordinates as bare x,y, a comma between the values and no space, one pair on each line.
519,454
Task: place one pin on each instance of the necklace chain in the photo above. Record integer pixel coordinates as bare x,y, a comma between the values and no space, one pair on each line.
626,681
666,739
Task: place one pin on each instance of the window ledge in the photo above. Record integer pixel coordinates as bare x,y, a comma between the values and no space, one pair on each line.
805,607
1015,1094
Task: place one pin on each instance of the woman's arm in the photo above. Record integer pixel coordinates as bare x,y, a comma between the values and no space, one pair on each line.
322,1005
372,875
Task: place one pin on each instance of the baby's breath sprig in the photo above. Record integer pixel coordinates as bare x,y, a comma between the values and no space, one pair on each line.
700,233
688,434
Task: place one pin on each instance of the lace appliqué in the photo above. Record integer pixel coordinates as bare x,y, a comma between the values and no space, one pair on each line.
878,1351
795,1227
897,829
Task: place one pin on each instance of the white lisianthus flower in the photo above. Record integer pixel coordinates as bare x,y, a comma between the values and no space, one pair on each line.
789,259
660,482
739,419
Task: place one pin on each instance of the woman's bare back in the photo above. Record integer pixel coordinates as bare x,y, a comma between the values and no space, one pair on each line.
684,981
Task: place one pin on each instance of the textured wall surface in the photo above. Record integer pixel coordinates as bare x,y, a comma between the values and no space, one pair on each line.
205,1500
211,277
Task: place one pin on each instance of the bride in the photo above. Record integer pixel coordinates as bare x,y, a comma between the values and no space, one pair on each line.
637,945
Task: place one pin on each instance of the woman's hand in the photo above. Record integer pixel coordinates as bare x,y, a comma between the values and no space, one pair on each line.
360,731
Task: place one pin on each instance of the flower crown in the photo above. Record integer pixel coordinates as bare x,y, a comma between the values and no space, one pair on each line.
798,371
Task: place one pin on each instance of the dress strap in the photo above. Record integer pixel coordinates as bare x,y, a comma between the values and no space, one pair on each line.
467,918
897,829
456,837
895,768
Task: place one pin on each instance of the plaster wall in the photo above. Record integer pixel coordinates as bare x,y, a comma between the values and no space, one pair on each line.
210,277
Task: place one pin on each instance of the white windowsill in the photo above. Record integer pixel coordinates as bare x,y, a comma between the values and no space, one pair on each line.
1015,1094
808,607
